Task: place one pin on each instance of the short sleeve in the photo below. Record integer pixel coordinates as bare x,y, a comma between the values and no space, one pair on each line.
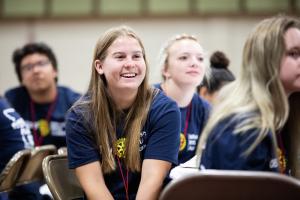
82,148
164,129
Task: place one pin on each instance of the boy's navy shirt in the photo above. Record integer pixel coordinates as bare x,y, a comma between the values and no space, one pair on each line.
199,114
14,133
224,149
20,100
159,139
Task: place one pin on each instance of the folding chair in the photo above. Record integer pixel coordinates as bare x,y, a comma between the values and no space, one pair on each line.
33,169
233,185
10,173
62,151
61,180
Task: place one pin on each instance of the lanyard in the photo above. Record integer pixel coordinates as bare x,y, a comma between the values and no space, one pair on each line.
187,119
126,185
38,139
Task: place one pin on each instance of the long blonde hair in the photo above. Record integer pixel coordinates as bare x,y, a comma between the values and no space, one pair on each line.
258,91
103,115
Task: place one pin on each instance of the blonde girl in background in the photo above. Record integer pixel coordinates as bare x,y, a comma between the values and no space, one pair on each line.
183,69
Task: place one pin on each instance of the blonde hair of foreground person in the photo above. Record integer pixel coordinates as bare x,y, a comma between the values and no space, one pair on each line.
259,89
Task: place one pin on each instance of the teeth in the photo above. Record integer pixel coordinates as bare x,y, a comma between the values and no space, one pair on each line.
128,75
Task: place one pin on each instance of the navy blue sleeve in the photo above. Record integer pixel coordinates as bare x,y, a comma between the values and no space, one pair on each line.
224,150
164,127
14,133
80,143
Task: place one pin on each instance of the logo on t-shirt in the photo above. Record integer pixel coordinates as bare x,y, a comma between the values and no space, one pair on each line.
19,124
273,163
120,147
143,145
182,142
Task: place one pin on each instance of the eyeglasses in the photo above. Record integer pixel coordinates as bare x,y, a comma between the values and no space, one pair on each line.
29,67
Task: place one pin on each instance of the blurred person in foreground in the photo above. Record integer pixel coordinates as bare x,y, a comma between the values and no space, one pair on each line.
255,123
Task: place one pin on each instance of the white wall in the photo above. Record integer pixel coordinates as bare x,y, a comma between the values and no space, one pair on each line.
73,42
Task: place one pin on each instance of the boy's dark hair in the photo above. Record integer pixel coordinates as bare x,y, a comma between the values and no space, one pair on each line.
29,49
220,74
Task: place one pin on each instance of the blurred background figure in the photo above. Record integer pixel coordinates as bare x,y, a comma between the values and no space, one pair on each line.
183,68
218,77
39,100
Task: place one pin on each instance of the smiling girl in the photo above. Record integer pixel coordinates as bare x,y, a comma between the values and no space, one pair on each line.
122,136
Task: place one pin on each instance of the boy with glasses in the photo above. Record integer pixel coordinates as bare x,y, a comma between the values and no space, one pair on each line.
39,100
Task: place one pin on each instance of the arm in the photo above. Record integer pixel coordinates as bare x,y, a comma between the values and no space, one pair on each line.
91,179
153,175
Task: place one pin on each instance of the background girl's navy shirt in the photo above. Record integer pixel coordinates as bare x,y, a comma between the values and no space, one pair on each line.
199,113
20,100
224,149
14,133
159,139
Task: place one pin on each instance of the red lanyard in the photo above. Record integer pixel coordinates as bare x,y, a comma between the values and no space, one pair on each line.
38,140
123,178
187,119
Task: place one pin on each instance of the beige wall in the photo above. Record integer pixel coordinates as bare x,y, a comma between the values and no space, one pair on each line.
73,42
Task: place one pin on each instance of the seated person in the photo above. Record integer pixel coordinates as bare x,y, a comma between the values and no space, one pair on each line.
183,68
39,100
123,135
14,134
219,76
255,123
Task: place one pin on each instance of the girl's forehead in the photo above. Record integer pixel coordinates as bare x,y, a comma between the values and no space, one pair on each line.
185,45
125,43
292,38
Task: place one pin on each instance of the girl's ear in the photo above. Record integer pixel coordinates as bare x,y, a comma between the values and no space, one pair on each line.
98,67
165,72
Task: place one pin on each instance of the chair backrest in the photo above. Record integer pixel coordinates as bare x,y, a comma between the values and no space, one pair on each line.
61,180
12,169
33,170
62,150
234,185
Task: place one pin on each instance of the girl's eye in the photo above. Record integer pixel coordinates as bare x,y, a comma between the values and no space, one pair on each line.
120,56
182,57
294,54
200,59
137,56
